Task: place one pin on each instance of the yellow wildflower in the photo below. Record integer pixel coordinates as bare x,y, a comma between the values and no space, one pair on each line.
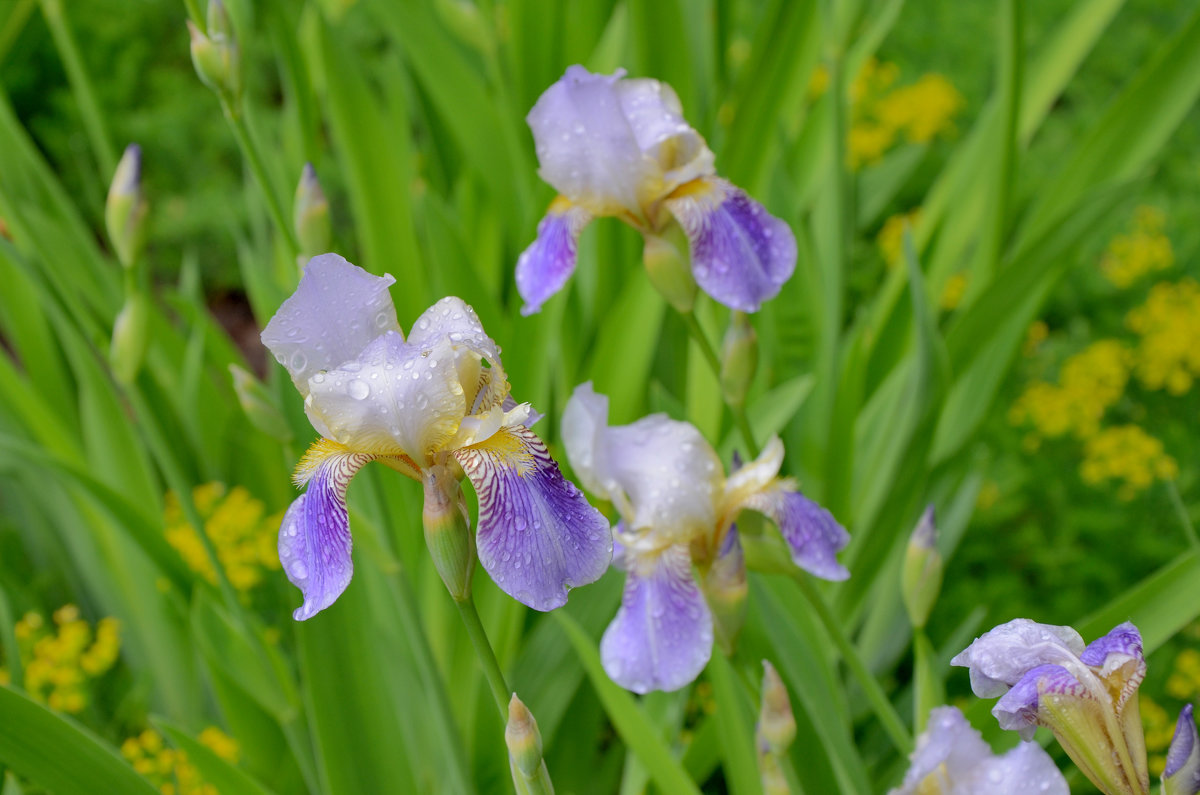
890,239
867,142
922,110
1184,681
221,743
169,769
1128,455
235,523
1089,382
61,657
1144,250
953,291
1168,327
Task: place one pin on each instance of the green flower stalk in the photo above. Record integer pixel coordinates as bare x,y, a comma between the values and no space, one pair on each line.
216,56
524,742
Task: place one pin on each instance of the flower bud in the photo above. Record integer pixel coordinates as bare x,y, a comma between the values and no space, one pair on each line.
725,589
448,531
668,268
739,358
1182,773
129,337
260,408
215,54
921,578
125,209
310,215
776,723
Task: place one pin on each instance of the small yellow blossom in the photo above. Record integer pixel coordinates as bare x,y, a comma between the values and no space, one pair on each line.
867,142
221,743
59,658
1143,250
1089,382
953,291
890,239
922,110
1184,681
880,114
1168,329
1127,455
236,524
169,769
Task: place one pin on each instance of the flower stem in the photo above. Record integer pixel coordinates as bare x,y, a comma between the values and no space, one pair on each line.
710,354
884,711
274,206
487,657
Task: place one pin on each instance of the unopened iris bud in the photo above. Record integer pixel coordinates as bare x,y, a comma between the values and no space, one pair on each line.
125,209
129,338
739,358
776,723
1182,773
216,56
667,266
921,579
448,530
725,589
524,743
311,215
259,407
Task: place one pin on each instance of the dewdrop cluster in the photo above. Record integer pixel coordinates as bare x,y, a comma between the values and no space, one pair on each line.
237,525
60,658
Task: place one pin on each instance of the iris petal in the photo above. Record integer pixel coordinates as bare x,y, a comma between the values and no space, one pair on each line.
811,532
538,536
741,254
1000,657
663,634
451,320
544,267
314,539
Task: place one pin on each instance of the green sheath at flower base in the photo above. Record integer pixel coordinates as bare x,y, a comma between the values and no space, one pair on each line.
310,215
448,531
129,338
921,578
667,266
125,209
525,751
216,56
259,407
739,358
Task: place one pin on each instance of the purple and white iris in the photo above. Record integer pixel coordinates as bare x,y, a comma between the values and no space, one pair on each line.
952,759
1086,695
620,147
438,399
677,511
1181,776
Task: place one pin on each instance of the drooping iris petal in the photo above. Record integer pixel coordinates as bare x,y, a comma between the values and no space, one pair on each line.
544,267
1018,708
395,396
314,539
1182,773
451,320
336,311
811,532
538,536
662,636
741,254
1000,657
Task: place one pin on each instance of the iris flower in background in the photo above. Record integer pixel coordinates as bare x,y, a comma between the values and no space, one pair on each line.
434,406
620,147
952,759
1181,776
677,510
1086,695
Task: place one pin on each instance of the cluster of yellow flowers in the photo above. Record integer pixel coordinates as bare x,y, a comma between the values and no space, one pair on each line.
236,523
1184,681
890,239
1128,455
1090,382
169,769
1145,249
1168,327
1160,728
59,660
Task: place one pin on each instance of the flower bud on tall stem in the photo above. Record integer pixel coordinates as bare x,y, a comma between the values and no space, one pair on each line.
448,530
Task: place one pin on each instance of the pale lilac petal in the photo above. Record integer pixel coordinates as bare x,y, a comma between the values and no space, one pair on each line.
948,740
1025,769
1018,708
395,397
544,267
1182,773
811,532
452,320
584,434
538,536
314,538
741,254
662,636
1002,656
336,311
656,116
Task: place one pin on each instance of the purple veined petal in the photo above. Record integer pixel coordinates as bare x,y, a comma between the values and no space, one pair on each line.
1117,657
1000,657
336,311
741,254
544,267
538,536
811,532
1182,773
663,634
314,538
1017,710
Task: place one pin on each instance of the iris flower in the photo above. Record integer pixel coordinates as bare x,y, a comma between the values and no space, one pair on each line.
952,759
620,147
677,510
1086,695
433,406
1181,776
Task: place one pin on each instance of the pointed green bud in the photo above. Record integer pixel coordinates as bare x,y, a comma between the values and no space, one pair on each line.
216,56
130,337
776,723
448,530
525,751
258,404
668,267
125,209
310,215
921,578
1181,776
739,358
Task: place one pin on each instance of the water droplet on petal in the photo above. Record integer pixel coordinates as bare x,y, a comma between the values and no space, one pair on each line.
358,389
